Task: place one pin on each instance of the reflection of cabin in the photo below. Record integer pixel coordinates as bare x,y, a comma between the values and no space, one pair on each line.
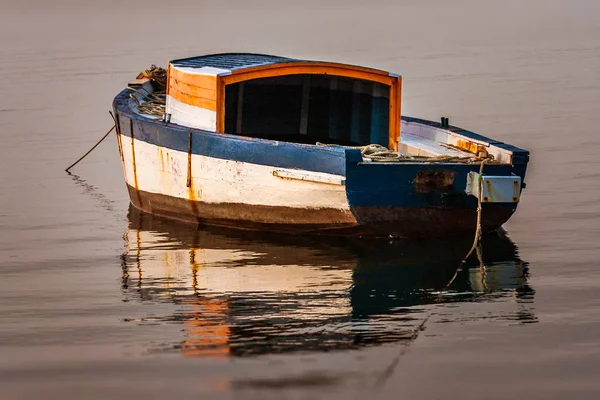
285,99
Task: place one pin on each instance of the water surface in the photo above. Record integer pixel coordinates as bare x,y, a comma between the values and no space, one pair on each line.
98,301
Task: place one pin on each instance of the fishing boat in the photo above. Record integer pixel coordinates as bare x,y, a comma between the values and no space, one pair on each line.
262,142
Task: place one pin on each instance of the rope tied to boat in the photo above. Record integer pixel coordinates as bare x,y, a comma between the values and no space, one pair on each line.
68,169
387,373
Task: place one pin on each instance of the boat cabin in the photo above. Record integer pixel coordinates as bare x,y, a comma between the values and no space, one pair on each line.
285,99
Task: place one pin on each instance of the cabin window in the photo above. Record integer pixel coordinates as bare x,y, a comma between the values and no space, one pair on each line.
308,109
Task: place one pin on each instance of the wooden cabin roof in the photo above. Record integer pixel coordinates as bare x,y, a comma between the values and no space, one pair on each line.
232,61
235,62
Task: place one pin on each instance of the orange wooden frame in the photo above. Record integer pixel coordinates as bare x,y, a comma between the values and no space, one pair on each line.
318,68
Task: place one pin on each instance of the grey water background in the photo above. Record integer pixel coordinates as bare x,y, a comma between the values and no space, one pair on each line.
96,304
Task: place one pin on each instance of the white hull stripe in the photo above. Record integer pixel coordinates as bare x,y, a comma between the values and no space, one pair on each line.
214,180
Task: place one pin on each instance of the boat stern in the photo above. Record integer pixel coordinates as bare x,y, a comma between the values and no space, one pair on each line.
416,199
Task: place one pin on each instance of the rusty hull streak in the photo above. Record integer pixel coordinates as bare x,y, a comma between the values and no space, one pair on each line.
193,200
189,161
429,181
135,178
162,159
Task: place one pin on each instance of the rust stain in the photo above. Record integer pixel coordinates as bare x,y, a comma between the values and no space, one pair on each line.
434,181
162,159
135,177
471,147
120,144
189,163
191,191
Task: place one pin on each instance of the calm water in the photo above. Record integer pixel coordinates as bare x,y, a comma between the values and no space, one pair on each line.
97,301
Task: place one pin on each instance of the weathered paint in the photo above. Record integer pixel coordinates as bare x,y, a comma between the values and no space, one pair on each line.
429,181
436,140
310,176
494,189
192,97
239,182
214,180
195,93
190,115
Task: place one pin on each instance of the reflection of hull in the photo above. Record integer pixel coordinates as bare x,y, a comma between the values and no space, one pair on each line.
243,294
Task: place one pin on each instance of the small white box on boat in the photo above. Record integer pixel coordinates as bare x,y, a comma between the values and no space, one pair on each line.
495,189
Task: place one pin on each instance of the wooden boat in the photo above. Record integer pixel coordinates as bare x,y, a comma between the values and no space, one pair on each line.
262,142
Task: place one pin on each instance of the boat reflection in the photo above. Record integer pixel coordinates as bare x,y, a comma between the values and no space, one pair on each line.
244,293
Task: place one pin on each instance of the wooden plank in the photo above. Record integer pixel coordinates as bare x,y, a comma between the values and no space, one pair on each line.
193,100
203,81
395,111
305,105
220,105
196,91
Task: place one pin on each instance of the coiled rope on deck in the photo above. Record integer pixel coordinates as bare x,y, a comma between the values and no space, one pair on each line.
379,153
155,101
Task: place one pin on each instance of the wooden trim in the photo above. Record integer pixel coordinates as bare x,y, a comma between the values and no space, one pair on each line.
310,69
220,105
399,103
240,109
317,68
313,64
395,113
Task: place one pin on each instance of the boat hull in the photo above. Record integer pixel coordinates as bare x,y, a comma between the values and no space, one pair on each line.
225,180
396,222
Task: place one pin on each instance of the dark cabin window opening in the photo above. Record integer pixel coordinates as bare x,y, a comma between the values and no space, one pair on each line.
309,109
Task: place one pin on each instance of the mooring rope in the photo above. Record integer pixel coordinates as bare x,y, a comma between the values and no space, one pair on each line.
90,150
478,228
385,375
